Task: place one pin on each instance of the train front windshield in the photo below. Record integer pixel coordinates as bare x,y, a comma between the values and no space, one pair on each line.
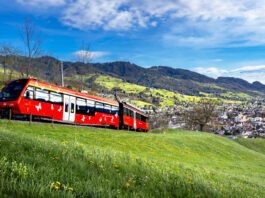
13,90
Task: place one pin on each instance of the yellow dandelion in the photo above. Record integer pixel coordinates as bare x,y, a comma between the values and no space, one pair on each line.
70,188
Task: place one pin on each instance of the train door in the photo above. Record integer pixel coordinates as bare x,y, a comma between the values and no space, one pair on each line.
134,120
72,109
69,108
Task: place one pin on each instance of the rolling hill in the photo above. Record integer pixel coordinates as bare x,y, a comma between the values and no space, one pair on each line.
43,160
160,77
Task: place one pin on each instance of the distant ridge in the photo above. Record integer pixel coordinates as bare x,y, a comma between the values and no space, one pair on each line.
162,77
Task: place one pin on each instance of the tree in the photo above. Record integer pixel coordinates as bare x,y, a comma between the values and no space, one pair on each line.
202,113
84,55
53,71
32,42
9,54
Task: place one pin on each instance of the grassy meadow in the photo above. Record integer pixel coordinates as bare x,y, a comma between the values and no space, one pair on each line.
41,160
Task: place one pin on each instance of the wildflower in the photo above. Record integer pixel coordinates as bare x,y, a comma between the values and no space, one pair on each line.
64,142
59,186
127,185
70,188
56,186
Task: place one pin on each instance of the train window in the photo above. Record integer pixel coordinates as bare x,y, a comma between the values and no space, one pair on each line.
114,109
72,107
29,93
90,107
13,90
143,118
81,107
107,108
125,111
99,106
138,116
131,113
90,103
42,94
56,98
66,106
30,88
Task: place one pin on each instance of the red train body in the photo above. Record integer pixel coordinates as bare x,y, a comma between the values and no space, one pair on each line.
29,97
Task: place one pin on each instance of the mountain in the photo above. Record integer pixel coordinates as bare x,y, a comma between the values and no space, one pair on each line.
238,84
162,77
180,74
173,79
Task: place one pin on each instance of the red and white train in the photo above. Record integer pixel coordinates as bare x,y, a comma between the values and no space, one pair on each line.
30,97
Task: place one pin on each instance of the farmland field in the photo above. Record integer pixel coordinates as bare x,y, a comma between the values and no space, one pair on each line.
44,160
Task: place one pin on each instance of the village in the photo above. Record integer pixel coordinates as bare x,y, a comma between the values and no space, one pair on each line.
245,119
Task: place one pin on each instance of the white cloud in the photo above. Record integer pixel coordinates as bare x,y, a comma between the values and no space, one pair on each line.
202,23
210,71
46,3
90,55
251,77
108,15
249,73
250,68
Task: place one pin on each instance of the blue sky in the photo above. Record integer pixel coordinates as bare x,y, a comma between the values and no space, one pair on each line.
215,38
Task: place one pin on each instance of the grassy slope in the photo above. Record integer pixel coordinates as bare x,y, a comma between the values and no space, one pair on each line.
106,163
254,144
168,98
236,94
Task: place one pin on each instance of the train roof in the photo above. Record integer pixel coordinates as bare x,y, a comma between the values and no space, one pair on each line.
58,89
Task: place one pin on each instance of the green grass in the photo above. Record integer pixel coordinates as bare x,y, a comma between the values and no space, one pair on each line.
167,98
254,144
15,74
140,103
111,82
93,162
236,95
213,86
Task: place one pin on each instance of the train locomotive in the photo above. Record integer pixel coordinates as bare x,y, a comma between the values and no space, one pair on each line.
30,98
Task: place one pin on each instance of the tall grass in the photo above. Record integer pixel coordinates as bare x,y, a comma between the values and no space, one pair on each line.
45,161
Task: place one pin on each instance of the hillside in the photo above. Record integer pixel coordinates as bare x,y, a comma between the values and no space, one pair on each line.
172,79
91,162
143,96
254,144
160,77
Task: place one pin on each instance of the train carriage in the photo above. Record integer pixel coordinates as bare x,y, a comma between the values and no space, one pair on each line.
132,118
30,97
